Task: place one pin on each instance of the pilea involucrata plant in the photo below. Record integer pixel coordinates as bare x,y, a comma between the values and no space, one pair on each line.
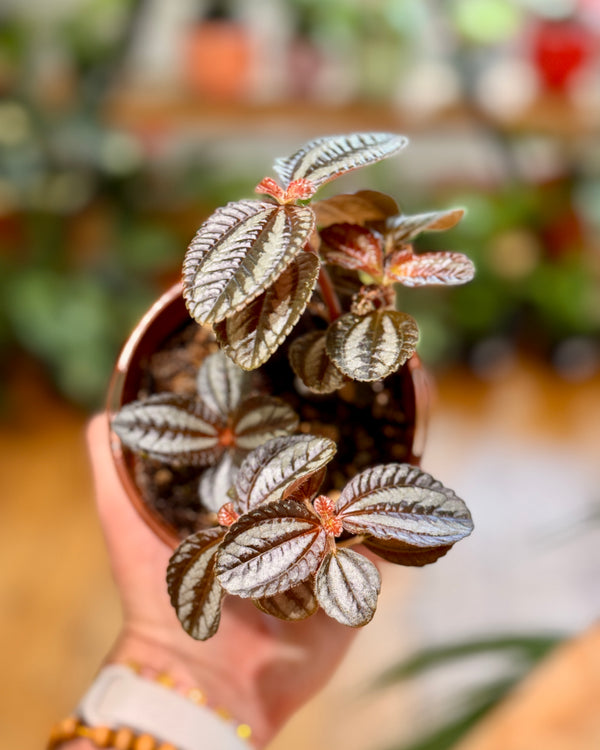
255,268
288,548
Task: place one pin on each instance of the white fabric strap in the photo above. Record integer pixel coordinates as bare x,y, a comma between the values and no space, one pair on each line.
119,697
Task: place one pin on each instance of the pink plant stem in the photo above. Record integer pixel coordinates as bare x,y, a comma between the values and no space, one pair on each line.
329,295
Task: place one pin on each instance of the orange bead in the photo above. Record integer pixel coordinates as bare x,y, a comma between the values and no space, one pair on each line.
123,739
145,742
101,736
69,726
166,746
165,680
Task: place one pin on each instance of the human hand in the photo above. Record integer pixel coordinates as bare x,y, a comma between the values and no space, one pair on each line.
260,668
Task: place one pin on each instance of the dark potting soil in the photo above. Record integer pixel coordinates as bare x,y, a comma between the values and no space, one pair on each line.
371,423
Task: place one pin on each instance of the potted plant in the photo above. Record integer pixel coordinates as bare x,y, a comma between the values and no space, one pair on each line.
279,421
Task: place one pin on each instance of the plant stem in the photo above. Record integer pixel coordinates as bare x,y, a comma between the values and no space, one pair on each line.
329,295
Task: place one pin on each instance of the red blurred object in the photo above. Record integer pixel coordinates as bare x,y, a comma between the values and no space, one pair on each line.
560,49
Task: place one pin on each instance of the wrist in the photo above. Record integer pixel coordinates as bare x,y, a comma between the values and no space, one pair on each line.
188,669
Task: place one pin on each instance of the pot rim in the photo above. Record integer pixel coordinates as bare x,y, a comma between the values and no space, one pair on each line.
118,381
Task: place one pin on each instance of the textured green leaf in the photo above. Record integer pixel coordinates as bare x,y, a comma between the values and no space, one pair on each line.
292,605
195,593
310,361
404,228
322,159
260,419
251,335
347,587
354,208
173,429
238,252
400,502
373,346
271,549
270,470
221,384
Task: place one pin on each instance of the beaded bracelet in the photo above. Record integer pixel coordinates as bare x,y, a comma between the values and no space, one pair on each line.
119,739
197,696
124,738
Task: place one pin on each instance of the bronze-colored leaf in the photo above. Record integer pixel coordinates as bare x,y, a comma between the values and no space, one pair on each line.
195,593
271,549
251,335
400,553
221,384
216,481
292,605
270,470
404,228
238,252
354,208
430,268
306,487
353,247
403,503
373,346
170,428
322,159
260,419
347,587
310,361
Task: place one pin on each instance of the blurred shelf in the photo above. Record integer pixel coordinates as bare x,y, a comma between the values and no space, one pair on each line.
151,112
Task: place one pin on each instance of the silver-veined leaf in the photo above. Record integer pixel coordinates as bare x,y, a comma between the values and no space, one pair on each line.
251,335
404,228
238,252
430,268
373,346
310,361
221,384
354,208
401,553
347,587
322,159
195,593
270,470
271,549
260,419
399,501
292,605
170,428
216,481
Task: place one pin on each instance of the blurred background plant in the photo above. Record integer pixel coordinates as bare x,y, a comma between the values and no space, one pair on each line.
503,661
117,137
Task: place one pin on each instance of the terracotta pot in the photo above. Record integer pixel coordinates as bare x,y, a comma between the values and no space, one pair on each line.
167,315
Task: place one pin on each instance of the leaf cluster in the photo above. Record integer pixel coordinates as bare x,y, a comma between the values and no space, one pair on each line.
289,549
215,430
255,265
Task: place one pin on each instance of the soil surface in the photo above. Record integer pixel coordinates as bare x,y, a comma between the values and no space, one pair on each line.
372,423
